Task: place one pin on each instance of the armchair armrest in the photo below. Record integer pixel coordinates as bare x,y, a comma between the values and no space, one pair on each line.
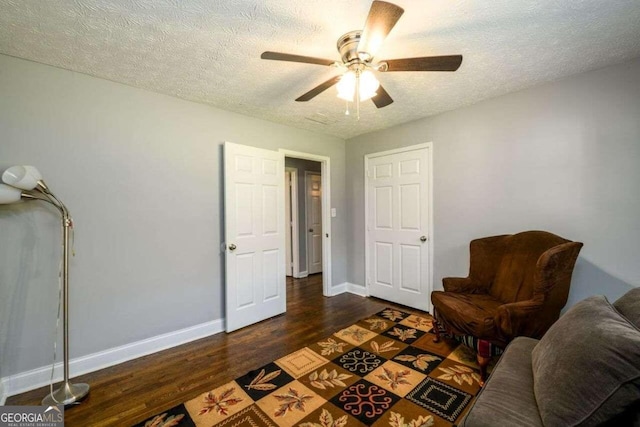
553,272
521,318
461,285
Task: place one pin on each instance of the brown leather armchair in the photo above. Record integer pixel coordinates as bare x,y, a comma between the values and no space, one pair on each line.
517,285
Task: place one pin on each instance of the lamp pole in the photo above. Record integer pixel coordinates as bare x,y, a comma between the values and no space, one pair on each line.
29,180
67,393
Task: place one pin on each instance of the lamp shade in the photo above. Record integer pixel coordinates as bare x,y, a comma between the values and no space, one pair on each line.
23,177
8,194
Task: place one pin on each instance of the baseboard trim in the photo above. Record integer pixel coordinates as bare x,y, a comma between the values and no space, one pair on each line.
35,378
352,288
357,289
302,274
338,289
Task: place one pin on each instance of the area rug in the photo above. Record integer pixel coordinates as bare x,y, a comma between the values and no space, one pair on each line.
384,370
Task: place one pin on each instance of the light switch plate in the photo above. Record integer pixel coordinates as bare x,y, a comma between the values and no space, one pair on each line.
333,213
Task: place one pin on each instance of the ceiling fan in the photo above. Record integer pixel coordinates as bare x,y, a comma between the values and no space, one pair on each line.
357,49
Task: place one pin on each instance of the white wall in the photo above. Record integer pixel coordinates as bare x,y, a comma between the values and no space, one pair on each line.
562,157
141,174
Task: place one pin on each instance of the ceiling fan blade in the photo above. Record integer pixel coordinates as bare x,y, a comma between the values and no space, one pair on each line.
425,63
276,56
382,98
382,18
318,89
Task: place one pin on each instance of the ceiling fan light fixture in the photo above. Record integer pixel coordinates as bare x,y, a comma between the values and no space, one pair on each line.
365,81
347,86
368,85
358,48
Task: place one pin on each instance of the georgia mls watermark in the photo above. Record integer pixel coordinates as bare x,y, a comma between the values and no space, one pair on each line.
32,416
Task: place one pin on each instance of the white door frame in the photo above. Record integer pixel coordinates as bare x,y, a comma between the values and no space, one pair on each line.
326,212
367,255
294,221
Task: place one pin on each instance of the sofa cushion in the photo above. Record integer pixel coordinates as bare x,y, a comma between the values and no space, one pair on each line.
629,306
507,398
586,369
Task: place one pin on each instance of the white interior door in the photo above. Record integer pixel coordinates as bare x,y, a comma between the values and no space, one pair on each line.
255,235
314,222
398,258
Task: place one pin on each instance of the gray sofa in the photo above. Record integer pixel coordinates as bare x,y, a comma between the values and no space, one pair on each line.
585,371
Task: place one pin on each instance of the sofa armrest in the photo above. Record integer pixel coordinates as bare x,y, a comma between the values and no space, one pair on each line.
519,318
507,399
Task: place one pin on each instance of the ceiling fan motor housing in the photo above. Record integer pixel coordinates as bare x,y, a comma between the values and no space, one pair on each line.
348,46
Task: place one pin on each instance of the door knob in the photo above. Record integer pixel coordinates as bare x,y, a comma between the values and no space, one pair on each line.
423,239
311,230
232,247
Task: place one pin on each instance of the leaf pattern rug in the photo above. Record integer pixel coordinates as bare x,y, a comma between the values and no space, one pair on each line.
384,370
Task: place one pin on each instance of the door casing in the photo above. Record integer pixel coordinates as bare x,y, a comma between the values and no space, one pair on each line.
325,172
295,259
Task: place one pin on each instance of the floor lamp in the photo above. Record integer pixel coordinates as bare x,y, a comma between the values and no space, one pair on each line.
25,182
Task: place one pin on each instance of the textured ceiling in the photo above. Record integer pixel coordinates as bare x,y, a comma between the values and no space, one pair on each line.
209,50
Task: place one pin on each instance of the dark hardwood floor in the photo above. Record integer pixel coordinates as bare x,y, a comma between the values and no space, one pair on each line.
130,392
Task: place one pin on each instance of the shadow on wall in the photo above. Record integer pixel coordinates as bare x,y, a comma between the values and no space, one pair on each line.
588,279
18,274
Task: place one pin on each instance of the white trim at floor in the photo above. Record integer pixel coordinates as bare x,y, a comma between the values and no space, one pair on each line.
24,381
352,288
357,289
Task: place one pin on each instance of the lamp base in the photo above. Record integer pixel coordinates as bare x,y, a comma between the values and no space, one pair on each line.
67,394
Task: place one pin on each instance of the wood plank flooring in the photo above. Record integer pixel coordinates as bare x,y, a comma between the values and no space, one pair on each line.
130,392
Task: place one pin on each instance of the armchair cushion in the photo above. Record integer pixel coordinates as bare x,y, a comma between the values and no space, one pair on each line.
467,314
586,369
